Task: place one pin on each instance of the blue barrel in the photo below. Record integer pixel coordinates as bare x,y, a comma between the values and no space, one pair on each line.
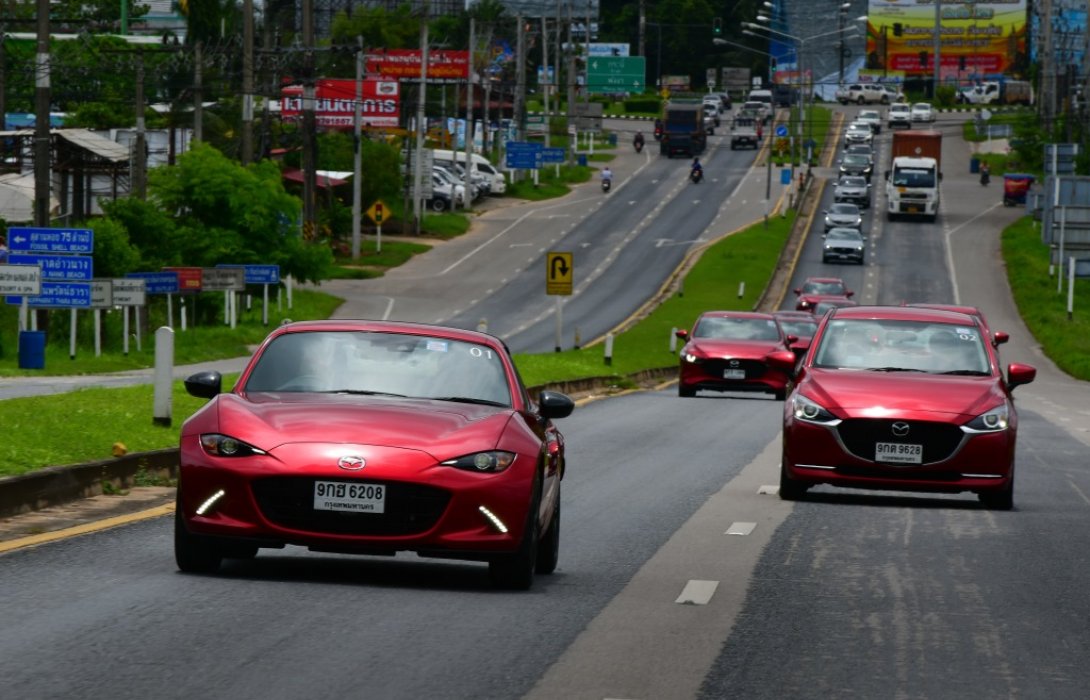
31,349
974,165
581,159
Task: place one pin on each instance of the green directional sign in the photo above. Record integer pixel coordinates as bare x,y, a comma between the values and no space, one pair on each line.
607,74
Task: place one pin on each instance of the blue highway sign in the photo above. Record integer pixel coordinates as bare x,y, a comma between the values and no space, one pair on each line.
524,155
64,268
59,295
51,240
553,155
259,274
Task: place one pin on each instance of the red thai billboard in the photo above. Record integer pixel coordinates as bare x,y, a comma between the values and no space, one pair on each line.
335,102
405,63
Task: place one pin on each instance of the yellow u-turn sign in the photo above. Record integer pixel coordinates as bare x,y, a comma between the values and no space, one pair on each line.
559,271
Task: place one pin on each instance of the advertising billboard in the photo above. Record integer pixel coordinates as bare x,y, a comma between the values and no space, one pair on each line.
336,103
405,64
977,38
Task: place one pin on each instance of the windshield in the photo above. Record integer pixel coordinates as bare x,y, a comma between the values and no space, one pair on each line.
913,177
800,329
736,328
909,346
380,363
844,235
853,182
846,209
823,288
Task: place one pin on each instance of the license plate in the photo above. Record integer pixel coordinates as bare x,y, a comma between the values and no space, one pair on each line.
734,374
912,210
898,453
349,497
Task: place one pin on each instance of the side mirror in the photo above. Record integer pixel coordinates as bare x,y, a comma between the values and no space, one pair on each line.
1019,374
682,334
887,174
1000,337
204,385
553,404
792,339
849,293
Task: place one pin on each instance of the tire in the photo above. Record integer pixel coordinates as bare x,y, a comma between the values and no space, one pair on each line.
999,500
548,549
192,553
790,490
515,572
862,100
685,392
438,204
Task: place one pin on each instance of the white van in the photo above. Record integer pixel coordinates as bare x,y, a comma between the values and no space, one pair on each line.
480,164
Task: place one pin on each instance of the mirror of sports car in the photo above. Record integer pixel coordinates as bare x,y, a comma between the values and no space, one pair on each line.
1019,374
204,385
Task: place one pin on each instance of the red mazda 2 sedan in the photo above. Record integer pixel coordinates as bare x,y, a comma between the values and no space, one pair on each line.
374,438
731,351
902,398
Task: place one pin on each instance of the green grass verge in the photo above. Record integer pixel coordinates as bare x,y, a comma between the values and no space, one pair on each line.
1043,308
82,426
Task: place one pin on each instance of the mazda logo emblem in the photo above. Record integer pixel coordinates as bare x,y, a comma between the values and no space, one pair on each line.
734,363
899,429
352,463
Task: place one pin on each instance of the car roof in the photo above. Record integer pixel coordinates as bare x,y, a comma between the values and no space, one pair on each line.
794,315
907,313
845,229
824,279
357,325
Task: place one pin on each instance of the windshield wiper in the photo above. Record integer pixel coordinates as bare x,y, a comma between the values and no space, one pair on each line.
361,392
967,372
468,399
893,369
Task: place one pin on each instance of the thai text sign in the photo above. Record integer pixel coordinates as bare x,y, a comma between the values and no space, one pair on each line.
335,102
405,63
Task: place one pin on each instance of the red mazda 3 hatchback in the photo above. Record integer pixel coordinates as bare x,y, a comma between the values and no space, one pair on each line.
902,398
374,438
731,351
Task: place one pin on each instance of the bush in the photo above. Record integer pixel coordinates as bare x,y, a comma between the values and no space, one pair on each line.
645,105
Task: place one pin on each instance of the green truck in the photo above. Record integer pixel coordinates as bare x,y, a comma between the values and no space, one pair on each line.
683,129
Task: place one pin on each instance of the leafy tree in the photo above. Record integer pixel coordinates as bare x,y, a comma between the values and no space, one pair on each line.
150,229
229,214
114,253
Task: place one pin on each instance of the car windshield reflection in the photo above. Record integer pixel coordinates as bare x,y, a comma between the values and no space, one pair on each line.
902,346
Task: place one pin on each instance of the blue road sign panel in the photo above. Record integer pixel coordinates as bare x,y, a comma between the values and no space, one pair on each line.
59,295
259,274
523,155
64,268
781,130
553,155
157,282
51,240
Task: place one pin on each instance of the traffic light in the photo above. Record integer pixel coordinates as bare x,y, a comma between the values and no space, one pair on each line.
717,26
961,62
898,29
923,59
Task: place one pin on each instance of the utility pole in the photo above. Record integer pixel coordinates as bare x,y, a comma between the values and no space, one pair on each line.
546,83
643,28
139,153
421,119
247,144
570,111
310,146
357,161
1048,68
198,92
937,50
520,80
470,96
42,166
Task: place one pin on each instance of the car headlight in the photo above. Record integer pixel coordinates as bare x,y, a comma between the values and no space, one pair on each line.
491,461
227,446
811,412
692,358
993,421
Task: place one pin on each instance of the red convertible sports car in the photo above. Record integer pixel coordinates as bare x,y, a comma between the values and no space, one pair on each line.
904,398
730,351
373,438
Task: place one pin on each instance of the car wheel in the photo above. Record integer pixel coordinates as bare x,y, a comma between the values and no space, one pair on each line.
862,100
999,500
548,549
790,490
515,572
192,553
438,204
685,392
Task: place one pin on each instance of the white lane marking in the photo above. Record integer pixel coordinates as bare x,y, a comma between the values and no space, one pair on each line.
697,592
389,308
1079,491
740,528
949,253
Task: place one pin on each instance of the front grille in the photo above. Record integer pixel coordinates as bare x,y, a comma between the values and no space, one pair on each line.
939,440
914,195
753,368
410,508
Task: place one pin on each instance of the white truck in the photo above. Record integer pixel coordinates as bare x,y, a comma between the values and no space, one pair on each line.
1007,92
912,181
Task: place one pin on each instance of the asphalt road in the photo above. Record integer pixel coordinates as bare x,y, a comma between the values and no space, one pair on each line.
681,575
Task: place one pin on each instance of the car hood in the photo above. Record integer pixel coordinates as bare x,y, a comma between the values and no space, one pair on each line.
269,421
740,349
842,243
863,394
850,190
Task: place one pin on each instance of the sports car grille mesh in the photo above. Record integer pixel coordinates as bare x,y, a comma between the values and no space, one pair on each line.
939,440
410,508
753,368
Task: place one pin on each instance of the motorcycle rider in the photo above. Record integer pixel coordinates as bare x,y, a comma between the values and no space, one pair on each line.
607,178
985,173
697,171
637,141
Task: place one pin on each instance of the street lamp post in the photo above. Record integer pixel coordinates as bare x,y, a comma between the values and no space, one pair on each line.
841,15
